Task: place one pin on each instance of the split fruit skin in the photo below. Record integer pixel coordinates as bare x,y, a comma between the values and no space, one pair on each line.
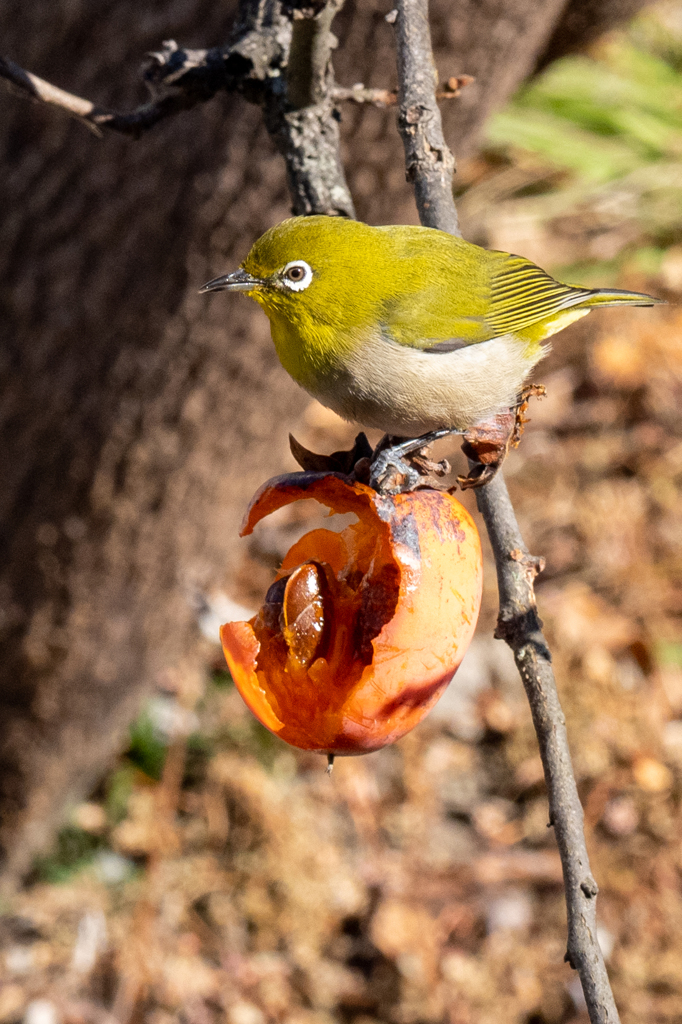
364,629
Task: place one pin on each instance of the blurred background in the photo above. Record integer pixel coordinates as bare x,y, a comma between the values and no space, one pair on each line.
191,868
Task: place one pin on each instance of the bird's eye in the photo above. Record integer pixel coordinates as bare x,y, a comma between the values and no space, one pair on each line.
297,275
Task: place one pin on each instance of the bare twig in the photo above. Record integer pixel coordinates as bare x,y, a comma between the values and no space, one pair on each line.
520,626
178,79
362,94
359,93
428,161
27,84
430,166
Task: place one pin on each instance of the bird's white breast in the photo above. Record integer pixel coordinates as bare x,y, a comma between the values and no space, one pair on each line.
406,392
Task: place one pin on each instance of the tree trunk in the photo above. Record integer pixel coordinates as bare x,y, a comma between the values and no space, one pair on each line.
138,417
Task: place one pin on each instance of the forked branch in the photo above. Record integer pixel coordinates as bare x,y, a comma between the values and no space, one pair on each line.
430,166
178,78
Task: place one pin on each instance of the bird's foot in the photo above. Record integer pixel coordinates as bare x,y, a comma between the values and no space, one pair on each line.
391,473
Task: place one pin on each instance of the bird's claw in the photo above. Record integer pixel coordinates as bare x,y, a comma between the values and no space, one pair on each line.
386,467
388,462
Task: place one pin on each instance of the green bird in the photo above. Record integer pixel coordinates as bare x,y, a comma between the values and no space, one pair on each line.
406,329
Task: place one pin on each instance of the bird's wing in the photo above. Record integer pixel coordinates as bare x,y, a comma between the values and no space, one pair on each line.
521,294
502,294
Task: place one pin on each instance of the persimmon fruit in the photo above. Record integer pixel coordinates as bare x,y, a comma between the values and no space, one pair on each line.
362,630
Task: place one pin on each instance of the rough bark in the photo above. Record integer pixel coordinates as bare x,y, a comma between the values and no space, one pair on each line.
136,417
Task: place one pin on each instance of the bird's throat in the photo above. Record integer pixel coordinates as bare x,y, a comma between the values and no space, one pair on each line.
312,354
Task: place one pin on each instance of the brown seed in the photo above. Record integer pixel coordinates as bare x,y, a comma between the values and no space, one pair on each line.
303,613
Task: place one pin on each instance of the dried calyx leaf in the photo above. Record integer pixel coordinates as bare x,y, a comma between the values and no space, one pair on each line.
338,462
299,9
355,462
487,444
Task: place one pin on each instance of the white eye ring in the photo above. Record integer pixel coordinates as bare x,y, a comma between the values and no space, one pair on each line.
301,277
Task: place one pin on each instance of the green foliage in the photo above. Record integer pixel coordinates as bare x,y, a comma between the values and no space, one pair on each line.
147,749
119,787
600,118
221,679
248,736
613,123
669,654
559,141
73,851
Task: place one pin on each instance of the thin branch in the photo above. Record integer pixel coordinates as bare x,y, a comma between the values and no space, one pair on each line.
279,57
429,163
362,94
359,93
430,166
520,626
26,84
179,78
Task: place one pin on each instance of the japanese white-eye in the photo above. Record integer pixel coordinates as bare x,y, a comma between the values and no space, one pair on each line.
407,329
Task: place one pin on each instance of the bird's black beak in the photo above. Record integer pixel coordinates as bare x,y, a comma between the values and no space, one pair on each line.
239,281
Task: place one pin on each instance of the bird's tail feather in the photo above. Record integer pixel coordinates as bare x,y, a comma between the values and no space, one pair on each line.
617,297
